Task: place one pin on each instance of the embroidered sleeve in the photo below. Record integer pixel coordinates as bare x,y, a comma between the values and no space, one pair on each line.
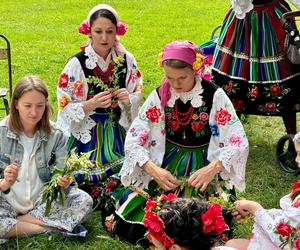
144,141
228,142
134,83
71,92
296,3
241,7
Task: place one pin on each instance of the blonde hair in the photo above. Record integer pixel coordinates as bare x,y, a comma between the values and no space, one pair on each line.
24,85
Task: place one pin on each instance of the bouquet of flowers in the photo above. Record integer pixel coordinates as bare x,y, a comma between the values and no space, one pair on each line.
72,163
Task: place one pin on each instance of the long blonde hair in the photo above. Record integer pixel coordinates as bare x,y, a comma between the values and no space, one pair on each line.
26,84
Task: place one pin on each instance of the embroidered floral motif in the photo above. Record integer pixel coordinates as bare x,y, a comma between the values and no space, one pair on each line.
253,94
63,101
143,137
197,126
238,104
222,116
153,114
275,90
235,140
214,130
78,89
63,81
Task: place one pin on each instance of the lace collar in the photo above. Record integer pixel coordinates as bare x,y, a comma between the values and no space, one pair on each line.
194,95
94,59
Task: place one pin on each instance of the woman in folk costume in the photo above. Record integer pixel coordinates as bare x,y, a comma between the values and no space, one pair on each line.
186,135
99,92
251,64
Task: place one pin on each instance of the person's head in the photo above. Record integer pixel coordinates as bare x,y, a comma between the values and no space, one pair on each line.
29,107
297,147
103,25
181,61
185,224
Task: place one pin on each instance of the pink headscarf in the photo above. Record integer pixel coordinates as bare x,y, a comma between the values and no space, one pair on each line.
178,50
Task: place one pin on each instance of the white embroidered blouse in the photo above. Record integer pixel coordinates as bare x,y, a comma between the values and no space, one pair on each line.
72,90
146,138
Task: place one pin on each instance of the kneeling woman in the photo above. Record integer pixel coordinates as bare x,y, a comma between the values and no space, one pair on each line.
29,146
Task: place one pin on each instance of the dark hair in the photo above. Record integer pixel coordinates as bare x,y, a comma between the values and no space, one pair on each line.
182,222
26,84
176,64
103,13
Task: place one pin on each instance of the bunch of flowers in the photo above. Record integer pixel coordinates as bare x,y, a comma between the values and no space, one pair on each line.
85,28
288,235
53,191
154,223
197,64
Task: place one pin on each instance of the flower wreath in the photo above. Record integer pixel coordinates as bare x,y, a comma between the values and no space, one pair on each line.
197,64
85,29
212,219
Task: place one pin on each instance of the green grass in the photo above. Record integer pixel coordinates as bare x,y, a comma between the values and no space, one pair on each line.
44,35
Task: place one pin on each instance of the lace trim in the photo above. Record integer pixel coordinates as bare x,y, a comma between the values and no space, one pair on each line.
131,173
194,95
241,7
94,59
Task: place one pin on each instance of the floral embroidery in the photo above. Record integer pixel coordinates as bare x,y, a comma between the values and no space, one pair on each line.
78,89
143,137
253,94
132,130
63,101
275,90
173,125
63,80
203,116
238,104
235,140
296,203
288,235
222,116
214,130
269,107
153,114
197,126
163,131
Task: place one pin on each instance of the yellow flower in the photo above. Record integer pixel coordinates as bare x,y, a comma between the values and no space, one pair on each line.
195,116
63,101
198,61
159,59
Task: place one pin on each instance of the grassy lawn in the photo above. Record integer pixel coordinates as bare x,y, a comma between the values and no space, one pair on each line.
43,35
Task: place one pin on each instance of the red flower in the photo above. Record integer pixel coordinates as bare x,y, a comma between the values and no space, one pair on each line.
238,104
63,80
138,74
197,126
173,125
94,192
297,244
253,92
213,219
121,28
153,114
228,87
270,107
297,203
84,28
150,204
153,222
168,197
167,241
284,229
78,89
110,186
275,89
296,186
222,116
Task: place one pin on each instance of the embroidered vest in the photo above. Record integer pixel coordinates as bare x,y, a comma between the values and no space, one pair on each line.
189,126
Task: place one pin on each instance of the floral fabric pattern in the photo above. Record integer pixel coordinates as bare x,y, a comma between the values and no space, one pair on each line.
72,90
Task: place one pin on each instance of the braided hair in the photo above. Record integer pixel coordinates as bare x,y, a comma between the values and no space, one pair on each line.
182,220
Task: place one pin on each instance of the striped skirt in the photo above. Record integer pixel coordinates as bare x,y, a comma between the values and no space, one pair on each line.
250,62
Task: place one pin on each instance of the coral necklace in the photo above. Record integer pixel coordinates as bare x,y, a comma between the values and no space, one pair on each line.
183,118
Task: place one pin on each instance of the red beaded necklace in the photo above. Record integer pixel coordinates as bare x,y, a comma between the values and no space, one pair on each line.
183,118
104,76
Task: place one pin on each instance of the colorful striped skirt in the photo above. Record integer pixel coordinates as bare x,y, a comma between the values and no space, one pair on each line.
251,65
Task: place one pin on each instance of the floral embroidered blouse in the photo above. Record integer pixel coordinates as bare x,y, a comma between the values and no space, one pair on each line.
72,90
146,137
274,227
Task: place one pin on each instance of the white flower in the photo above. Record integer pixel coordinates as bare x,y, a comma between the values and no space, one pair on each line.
241,7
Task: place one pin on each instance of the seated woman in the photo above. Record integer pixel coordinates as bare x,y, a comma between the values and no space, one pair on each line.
184,224
186,136
273,228
30,146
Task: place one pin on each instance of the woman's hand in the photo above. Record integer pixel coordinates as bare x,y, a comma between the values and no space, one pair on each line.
244,208
163,177
63,181
10,176
123,96
101,100
203,176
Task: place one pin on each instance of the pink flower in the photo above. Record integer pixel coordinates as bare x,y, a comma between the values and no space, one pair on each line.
143,137
270,107
150,204
297,244
121,28
203,116
235,140
84,28
213,219
222,116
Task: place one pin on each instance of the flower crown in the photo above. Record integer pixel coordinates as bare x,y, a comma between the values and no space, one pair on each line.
212,219
85,29
197,64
